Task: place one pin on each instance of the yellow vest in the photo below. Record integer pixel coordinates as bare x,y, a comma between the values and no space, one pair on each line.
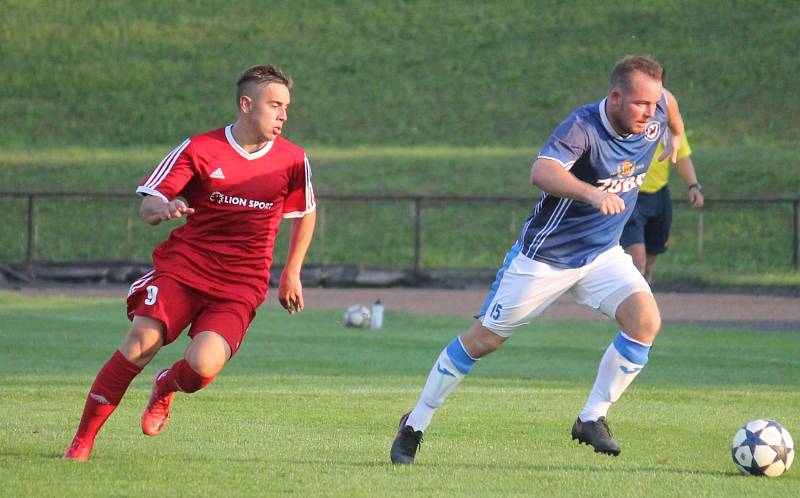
658,174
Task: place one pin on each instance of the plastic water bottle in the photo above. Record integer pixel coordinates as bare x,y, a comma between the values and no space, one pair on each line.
376,317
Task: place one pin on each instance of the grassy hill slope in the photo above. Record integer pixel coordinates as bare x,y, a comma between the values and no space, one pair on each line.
122,73
404,97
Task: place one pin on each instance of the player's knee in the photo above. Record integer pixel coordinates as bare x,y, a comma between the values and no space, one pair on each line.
135,354
480,341
142,343
189,379
639,317
206,365
646,327
491,343
208,353
652,323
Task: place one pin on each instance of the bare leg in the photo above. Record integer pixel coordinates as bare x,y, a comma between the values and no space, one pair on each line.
637,253
648,271
480,341
205,356
143,341
640,321
639,317
623,360
208,353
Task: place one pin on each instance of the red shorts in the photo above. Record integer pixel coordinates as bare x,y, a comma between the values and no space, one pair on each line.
176,305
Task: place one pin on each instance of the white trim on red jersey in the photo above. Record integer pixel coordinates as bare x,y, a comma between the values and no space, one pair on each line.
247,155
163,168
311,201
143,191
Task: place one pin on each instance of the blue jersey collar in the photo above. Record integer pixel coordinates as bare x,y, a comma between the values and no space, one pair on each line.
607,123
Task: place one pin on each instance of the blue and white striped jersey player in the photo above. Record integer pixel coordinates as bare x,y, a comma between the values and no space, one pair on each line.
589,172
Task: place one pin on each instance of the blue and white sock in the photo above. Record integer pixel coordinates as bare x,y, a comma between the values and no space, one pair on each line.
621,363
453,364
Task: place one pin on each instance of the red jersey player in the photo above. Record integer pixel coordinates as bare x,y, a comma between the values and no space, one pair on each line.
213,271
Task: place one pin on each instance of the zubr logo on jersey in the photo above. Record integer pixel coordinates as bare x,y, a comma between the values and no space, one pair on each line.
220,198
651,132
625,181
619,185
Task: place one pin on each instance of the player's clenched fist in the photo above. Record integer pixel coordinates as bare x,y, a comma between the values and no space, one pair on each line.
174,209
154,210
608,204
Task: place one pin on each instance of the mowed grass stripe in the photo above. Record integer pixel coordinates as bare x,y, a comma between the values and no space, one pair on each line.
309,408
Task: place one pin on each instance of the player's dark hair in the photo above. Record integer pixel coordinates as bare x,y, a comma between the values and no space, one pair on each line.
261,75
625,67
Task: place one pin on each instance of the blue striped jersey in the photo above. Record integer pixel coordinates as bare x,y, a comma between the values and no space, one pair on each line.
566,233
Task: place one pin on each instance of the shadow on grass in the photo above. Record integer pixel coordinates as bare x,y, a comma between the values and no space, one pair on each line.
490,466
51,455
591,469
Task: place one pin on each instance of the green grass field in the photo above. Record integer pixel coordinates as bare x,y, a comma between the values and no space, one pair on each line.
308,408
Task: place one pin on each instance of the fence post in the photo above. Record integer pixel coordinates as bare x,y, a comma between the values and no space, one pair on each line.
417,234
321,228
796,234
31,243
129,233
700,234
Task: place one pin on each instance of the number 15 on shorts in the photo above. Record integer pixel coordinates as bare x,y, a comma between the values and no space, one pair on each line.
496,309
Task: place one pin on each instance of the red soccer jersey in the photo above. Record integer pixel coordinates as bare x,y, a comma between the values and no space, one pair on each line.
225,246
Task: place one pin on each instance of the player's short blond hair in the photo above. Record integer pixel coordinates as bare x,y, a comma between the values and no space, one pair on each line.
625,67
263,74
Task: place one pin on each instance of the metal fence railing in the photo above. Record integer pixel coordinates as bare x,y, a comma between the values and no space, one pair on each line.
395,231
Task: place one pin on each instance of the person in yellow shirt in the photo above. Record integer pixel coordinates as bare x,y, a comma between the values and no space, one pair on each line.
646,235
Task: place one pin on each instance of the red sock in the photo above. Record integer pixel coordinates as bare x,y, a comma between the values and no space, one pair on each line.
181,377
105,394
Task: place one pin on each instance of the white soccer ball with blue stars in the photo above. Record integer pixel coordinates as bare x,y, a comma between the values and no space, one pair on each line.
763,448
357,316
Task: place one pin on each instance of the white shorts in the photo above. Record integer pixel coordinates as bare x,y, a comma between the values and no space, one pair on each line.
525,288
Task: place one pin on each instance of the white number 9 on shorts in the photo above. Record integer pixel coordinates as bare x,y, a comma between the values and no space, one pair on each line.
152,294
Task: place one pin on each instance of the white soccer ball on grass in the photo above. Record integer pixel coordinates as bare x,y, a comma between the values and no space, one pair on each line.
763,448
357,316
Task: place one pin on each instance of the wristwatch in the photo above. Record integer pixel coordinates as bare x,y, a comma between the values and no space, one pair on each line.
695,185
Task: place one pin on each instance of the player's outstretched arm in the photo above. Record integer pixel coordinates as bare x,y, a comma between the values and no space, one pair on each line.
551,177
154,210
290,291
675,126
